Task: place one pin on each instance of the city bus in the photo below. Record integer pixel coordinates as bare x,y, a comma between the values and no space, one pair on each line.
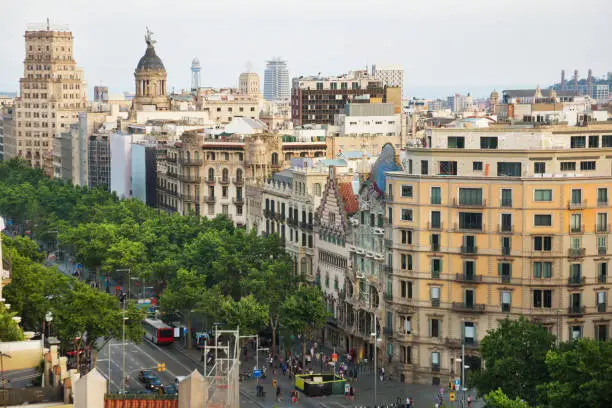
158,332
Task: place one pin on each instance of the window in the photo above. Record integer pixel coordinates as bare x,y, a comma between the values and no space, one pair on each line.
506,197
435,242
606,141
542,243
435,358
601,332
469,332
407,237
542,298
576,223
602,196
435,219
436,267
578,142
594,141
477,166
539,167
587,165
470,196
406,214
406,191
568,166
602,222
576,196
436,195
542,220
406,354
506,301
448,168
434,293
434,328
576,332
470,220
505,271
506,222
508,169
424,167
456,142
602,272
506,246
406,260
468,270
542,195
542,270
488,142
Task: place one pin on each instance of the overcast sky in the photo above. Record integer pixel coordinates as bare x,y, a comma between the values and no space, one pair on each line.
444,45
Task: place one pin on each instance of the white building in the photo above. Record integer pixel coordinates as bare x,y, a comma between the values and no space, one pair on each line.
276,80
391,75
121,163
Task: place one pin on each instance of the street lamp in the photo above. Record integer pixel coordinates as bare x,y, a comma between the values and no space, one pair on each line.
463,367
123,350
376,340
48,319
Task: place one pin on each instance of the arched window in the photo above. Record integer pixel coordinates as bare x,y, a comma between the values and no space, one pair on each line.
274,159
211,174
225,174
239,174
287,157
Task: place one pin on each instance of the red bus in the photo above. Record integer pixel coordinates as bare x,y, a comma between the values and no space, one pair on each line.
158,332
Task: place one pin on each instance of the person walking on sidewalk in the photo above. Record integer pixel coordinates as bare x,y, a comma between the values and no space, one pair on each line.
382,374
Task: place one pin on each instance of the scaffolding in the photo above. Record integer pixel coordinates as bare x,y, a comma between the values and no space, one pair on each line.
224,376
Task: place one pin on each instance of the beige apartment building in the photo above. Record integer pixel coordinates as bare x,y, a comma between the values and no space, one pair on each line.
52,92
493,223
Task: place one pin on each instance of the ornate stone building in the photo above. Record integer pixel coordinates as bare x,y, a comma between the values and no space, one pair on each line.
150,77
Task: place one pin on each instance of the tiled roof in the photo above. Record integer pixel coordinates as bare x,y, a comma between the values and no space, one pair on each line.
351,204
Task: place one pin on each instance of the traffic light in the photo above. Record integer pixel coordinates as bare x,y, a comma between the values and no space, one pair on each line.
161,367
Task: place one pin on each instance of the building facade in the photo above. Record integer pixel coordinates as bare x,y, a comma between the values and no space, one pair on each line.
276,80
249,84
495,223
52,92
315,100
150,78
391,75
99,161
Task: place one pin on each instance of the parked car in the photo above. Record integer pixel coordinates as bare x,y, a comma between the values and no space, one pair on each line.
169,389
145,391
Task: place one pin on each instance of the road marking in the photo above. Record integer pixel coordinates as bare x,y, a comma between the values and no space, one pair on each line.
111,381
189,370
155,362
250,398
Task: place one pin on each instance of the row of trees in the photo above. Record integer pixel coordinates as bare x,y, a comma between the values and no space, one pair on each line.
525,367
200,267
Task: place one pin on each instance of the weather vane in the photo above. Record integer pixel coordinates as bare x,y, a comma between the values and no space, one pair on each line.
149,38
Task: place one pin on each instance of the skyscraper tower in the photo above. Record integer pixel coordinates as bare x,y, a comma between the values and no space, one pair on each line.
195,74
276,80
52,93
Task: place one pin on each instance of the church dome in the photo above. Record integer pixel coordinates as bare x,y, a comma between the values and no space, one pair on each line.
150,61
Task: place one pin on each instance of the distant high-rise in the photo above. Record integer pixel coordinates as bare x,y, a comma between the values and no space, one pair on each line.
249,84
195,74
276,80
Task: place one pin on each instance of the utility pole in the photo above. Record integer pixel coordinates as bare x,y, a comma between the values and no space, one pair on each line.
463,370
375,358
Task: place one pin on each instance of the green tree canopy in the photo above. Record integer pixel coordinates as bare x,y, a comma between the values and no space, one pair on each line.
247,314
497,399
9,329
515,359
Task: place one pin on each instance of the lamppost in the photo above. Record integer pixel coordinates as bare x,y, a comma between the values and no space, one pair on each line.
463,367
48,319
123,350
129,271
376,340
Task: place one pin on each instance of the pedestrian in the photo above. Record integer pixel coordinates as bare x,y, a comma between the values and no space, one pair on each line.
382,374
278,393
294,397
352,393
469,401
274,384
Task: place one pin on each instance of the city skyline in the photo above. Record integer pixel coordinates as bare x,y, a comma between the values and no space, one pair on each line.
496,42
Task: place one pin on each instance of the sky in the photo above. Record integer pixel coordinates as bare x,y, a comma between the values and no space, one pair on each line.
445,46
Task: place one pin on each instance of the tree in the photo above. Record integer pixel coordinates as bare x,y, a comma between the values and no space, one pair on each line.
303,313
515,359
9,329
184,294
125,254
246,314
581,374
497,399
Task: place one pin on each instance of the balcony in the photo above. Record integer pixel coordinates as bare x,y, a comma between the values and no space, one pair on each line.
505,250
224,181
602,203
466,307
435,368
435,247
576,205
506,202
469,342
602,278
470,228
466,277
504,228
275,166
435,274
211,181
576,252
602,251
388,269
238,181
190,179
576,281
459,204
576,310
210,199
188,197
191,162
469,249
602,227
601,308
435,302
171,159
171,174
267,213
506,278
238,200
389,198
434,226
576,229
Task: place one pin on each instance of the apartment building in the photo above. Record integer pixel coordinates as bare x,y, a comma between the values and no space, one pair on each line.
52,92
315,100
99,161
6,129
391,75
493,223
